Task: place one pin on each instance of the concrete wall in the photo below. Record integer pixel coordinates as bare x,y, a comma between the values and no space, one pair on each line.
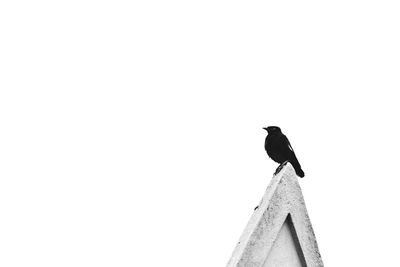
286,250
279,232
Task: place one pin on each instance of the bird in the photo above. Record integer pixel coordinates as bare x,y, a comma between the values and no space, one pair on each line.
279,149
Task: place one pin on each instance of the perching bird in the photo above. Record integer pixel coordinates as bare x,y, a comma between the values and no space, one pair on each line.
279,149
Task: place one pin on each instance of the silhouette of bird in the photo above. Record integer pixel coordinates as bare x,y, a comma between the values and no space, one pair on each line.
279,150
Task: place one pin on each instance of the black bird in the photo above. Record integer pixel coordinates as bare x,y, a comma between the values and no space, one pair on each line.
279,150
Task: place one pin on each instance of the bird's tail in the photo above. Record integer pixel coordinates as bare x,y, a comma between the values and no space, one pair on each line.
297,167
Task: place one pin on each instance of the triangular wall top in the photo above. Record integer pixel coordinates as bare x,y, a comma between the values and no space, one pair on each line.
279,234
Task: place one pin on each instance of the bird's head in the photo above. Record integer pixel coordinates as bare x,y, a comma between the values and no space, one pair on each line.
273,129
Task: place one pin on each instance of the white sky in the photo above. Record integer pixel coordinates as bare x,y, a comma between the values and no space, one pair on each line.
130,131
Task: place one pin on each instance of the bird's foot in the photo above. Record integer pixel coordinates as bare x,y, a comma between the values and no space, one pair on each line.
280,167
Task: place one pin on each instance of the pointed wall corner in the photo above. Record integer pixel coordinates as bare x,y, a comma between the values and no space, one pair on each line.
279,232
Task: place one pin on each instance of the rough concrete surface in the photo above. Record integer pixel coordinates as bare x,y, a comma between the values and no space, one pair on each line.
279,232
285,251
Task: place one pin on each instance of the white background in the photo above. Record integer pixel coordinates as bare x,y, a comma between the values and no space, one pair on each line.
130,131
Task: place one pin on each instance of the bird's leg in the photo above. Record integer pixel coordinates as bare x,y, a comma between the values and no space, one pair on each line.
280,167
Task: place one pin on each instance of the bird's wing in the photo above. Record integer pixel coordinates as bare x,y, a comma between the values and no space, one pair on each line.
288,143
294,161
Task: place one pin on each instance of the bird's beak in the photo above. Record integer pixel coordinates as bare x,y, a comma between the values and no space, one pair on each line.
265,129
